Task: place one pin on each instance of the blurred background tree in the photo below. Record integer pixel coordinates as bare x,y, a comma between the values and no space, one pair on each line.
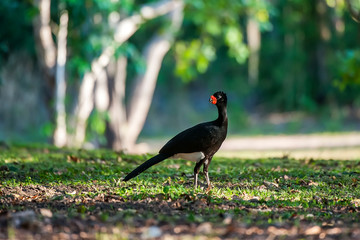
286,66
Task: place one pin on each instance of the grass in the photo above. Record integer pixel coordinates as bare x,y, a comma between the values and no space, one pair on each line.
86,186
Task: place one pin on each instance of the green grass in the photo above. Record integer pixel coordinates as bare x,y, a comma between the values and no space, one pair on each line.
260,192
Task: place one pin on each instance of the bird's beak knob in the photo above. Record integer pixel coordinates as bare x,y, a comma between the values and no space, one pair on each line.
213,99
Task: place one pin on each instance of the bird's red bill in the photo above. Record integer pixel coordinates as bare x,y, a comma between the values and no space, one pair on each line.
213,100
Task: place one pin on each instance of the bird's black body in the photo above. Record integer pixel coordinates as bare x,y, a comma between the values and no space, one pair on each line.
201,142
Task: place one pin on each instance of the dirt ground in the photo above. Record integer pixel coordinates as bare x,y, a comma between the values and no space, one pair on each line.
97,211
46,212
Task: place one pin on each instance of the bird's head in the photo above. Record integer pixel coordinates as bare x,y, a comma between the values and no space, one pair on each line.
218,98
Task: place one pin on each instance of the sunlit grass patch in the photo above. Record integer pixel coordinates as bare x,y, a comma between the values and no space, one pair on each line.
79,184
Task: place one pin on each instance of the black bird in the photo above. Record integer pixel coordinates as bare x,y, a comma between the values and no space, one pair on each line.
198,143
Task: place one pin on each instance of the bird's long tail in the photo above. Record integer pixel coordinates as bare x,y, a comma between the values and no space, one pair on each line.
152,161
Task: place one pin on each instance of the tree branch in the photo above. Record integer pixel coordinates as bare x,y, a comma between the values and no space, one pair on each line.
128,26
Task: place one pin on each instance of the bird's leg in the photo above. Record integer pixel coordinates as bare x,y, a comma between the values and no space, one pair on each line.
196,173
207,179
206,172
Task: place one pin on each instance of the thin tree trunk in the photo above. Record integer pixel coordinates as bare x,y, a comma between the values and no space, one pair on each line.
320,54
254,42
117,110
102,98
46,48
84,108
46,51
87,97
60,134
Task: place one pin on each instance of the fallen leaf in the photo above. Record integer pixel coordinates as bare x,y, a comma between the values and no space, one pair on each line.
204,228
356,202
72,193
315,230
277,231
72,158
46,212
254,230
271,184
334,231
311,183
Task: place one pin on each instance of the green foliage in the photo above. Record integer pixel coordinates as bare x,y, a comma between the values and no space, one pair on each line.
354,9
193,53
349,70
97,126
299,57
234,40
210,25
11,38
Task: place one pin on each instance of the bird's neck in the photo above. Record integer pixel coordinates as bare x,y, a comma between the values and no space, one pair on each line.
222,116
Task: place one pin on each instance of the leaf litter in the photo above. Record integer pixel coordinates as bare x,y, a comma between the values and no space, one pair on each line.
65,205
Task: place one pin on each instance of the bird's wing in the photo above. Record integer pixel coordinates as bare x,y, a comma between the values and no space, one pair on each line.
194,139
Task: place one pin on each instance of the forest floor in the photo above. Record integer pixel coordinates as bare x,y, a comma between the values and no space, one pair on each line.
50,193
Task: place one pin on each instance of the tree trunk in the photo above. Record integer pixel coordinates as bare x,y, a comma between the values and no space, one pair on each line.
141,98
101,89
124,30
45,44
320,54
254,42
116,126
46,50
144,90
89,95
60,134
83,109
